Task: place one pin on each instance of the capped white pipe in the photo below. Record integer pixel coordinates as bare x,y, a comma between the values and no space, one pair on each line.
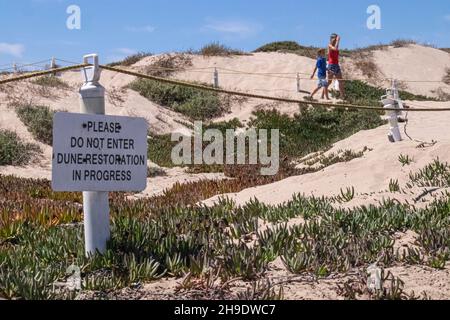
95,204
216,78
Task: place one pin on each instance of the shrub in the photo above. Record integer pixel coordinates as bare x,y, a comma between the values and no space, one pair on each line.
446,78
13,151
160,146
223,126
315,129
51,82
194,103
160,150
280,46
39,121
217,49
358,92
400,43
130,60
289,47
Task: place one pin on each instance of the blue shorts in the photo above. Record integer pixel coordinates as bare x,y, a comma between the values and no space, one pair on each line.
322,83
334,68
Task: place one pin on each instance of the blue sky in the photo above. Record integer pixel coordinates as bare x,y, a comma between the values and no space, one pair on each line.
32,30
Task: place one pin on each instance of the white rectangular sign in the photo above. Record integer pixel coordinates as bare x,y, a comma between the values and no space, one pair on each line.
99,153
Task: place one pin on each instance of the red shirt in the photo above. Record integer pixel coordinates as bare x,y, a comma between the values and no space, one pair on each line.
333,56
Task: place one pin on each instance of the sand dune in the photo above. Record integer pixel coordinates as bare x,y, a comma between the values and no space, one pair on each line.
370,173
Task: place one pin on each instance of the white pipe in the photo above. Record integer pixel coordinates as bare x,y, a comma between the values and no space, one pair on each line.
96,221
394,130
216,78
95,204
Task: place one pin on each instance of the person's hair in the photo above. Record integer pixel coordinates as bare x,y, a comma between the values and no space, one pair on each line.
333,37
320,52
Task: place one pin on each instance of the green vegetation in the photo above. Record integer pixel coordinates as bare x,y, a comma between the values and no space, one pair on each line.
314,129
160,150
347,195
358,92
436,174
164,236
15,152
194,103
217,49
51,82
289,47
333,158
130,60
394,186
405,160
223,126
39,121
160,146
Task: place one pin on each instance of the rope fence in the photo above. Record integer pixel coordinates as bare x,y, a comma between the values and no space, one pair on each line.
257,96
345,106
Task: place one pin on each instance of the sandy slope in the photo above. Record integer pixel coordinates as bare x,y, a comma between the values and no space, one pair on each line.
415,63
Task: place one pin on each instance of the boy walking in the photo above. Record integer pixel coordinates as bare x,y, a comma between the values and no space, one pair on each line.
321,67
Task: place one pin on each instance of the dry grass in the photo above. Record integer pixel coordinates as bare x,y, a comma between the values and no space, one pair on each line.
167,64
446,78
216,49
51,82
441,94
115,96
401,43
365,63
130,60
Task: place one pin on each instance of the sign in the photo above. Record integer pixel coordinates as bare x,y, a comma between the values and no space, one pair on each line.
99,153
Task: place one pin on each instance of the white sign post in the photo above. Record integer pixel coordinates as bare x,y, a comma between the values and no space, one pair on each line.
95,154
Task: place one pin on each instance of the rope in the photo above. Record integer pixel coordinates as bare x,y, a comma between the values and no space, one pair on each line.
206,88
41,73
268,74
279,75
18,66
257,96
